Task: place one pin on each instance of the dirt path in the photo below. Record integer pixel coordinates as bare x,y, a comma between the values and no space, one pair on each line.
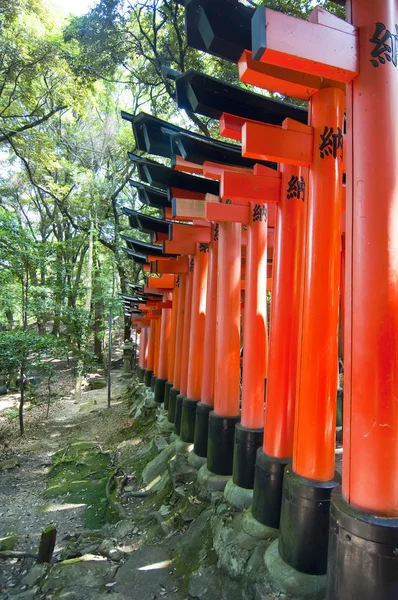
23,510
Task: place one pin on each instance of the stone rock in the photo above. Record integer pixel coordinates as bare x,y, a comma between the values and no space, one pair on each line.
158,465
210,481
207,583
290,581
256,529
107,548
88,571
196,461
35,574
11,463
97,384
147,574
181,471
160,443
120,530
237,496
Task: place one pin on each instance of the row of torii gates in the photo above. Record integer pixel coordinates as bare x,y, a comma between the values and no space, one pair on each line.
306,205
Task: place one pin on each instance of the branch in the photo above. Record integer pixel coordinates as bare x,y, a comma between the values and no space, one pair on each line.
6,137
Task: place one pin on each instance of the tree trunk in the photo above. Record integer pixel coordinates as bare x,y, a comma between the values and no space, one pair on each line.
21,402
87,306
10,319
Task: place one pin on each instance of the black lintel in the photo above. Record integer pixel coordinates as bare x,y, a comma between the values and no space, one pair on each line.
166,178
199,151
145,223
219,27
211,97
145,248
151,196
149,135
138,258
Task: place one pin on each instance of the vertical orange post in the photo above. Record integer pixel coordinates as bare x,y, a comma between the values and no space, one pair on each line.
185,347
209,356
157,352
363,560
196,343
304,533
172,344
223,419
181,283
164,340
249,432
141,359
151,353
282,368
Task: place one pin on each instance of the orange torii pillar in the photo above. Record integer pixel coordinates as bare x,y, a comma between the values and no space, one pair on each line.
186,334
226,413
172,343
158,323
323,47
164,340
363,551
205,406
181,283
196,343
142,353
151,353
277,450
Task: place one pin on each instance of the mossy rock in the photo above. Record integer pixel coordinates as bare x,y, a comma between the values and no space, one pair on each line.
80,474
8,543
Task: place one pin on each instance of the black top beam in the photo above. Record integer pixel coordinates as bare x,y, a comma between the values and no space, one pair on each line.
151,196
165,178
138,258
211,97
145,248
145,223
199,151
219,27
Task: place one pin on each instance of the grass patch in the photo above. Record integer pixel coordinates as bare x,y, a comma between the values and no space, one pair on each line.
80,473
8,543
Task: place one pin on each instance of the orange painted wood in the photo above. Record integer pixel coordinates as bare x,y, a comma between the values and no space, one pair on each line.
270,142
165,329
214,170
255,339
314,436
151,346
278,79
323,17
209,356
370,463
254,188
310,48
186,333
231,126
170,266
181,283
172,247
159,237
188,167
146,268
183,233
163,282
173,333
285,309
178,193
157,347
187,208
227,368
198,320
226,213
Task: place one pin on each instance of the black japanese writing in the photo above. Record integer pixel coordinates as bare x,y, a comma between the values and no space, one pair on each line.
203,247
216,232
178,281
296,188
191,263
260,212
331,142
385,46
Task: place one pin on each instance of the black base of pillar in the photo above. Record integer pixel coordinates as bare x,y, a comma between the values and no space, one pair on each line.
172,405
188,420
153,381
304,526
148,377
268,485
140,374
159,388
202,429
167,395
247,442
363,554
178,414
339,412
220,445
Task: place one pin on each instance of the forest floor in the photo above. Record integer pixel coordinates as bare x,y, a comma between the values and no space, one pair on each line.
132,520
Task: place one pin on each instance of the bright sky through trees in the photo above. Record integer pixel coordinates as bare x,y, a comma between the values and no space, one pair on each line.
76,7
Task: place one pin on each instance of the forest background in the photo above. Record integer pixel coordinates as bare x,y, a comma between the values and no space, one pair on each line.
64,168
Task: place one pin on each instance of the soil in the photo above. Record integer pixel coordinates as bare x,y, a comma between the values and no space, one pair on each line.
24,511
